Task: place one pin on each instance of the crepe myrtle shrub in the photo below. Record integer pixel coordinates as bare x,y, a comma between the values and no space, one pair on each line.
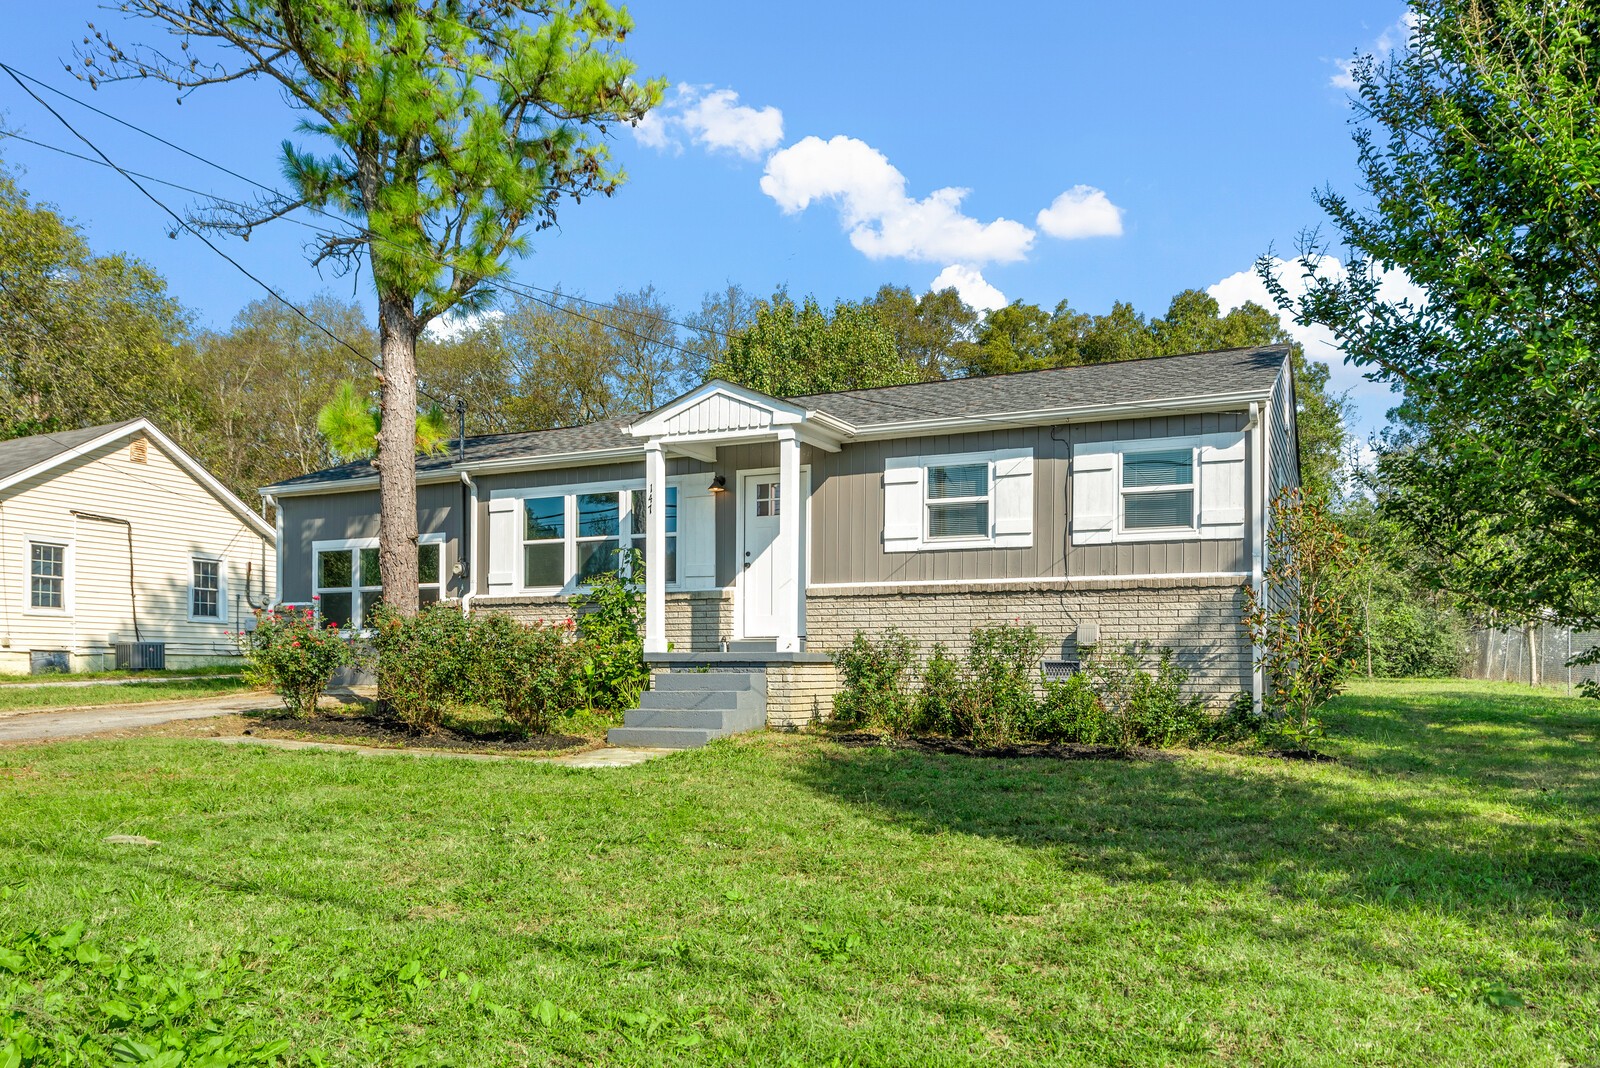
1308,641
294,653
999,696
427,664
940,691
1071,712
1142,707
528,673
876,690
610,622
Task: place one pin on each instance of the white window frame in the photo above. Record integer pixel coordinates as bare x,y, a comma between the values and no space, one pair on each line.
358,585
625,539
929,541
991,539
68,566
1180,532
221,591
631,540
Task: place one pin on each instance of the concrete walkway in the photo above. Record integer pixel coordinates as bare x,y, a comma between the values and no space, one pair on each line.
77,722
606,757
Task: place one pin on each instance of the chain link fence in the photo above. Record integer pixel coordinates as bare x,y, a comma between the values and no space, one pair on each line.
1536,655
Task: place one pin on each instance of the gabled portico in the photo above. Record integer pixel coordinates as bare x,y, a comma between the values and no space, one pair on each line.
696,425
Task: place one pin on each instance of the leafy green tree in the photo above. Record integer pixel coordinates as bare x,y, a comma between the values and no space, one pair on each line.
932,330
84,338
722,314
789,350
1480,178
450,126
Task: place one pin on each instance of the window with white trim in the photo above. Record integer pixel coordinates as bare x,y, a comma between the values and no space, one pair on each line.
962,501
349,584
637,530
1158,489
205,589
47,576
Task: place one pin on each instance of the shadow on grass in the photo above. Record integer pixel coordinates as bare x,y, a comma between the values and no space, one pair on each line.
1445,805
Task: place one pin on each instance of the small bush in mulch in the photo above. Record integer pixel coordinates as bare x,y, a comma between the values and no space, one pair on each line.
961,747
380,730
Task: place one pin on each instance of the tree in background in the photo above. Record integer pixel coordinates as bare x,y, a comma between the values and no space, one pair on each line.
1481,184
722,314
788,350
453,126
84,339
933,330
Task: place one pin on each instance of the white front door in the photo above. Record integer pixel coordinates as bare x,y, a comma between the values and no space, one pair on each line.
759,581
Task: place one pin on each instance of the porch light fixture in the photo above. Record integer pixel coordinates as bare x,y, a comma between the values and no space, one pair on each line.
719,483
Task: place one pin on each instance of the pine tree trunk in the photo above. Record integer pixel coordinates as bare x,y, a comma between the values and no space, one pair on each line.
397,455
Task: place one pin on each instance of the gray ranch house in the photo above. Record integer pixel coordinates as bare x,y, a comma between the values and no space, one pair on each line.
1115,502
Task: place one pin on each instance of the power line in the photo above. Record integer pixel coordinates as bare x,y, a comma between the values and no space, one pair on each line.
362,231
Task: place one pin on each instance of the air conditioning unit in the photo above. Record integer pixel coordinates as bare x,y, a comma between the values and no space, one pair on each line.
141,656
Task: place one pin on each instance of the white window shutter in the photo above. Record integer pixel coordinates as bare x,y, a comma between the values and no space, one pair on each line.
902,505
1094,494
1222,486
503,545
1013,500
697,534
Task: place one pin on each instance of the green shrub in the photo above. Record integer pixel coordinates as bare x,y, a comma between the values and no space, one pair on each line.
999,697
427,663
941,689
528,673
611,624
1142,707
875,691
1071,712
1238,723
294,654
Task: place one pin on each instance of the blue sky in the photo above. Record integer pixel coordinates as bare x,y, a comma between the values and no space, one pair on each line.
809,146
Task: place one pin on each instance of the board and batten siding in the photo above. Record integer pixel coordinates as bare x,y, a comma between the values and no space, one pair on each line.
174,519
352,516
847,512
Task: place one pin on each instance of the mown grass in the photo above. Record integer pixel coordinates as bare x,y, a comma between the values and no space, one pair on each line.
107,676
1431,899
24,698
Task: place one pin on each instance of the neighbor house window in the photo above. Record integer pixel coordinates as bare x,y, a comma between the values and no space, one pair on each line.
47,576
637,531
350,583
1158,489
205,590
956,500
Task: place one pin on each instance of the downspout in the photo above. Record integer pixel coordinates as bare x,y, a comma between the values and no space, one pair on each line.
1258,553
469,543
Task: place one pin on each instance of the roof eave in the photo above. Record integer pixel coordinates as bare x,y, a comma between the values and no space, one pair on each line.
1210,402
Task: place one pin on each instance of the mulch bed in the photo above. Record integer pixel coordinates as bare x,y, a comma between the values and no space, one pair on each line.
958,747
383,731
1311,756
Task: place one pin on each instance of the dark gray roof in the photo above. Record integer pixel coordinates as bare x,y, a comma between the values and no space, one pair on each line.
1159,378
1127,381
19,454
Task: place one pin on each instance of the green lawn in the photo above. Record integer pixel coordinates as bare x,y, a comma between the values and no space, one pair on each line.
1432,899
30,698
92,676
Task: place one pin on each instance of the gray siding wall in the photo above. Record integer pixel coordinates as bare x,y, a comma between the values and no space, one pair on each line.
847,512
339,516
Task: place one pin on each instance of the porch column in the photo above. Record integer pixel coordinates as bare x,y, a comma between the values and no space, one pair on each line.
791,586
655,548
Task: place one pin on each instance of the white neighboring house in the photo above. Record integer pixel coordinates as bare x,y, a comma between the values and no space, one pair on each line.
116,544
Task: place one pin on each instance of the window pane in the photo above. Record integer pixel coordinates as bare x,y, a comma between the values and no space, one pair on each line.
959,520
46,593
546,518
596,558
636,522
336,608
1167,467
205,574
672,560
430,595
370,601
371,573
636,511
428,563
205,590
672,509
333,569
958,480
49,561
597,515
1143,511
766,498
544,564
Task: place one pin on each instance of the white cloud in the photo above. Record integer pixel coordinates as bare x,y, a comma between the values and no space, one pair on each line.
1396,36
881,219
972,287
455,327
1082,211
1371,399
713,119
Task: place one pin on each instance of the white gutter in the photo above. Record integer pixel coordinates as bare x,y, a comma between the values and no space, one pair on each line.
558,459
346,485
1210,402
1258,533
469,541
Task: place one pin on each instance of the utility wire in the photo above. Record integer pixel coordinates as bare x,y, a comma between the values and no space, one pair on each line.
364,232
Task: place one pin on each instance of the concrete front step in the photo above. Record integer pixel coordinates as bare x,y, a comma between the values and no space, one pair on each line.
685,710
